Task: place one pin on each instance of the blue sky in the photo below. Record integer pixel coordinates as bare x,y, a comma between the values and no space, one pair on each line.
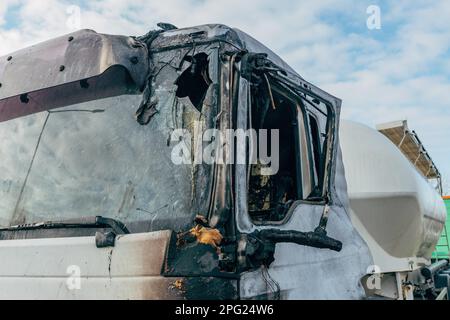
401,71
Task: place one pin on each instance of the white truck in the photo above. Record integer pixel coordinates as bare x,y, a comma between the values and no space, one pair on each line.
94,206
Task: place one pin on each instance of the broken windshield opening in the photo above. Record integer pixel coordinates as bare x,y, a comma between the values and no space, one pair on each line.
194,81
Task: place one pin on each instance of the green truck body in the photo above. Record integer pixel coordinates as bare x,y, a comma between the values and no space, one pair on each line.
443,246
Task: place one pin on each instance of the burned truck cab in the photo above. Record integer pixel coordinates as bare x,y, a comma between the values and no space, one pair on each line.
186,163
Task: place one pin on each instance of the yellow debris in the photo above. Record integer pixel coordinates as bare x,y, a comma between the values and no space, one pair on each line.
178,284
207,235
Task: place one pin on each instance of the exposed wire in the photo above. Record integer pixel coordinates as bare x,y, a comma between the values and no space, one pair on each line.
270,92
273,286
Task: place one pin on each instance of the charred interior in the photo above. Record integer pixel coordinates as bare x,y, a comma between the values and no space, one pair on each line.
271,195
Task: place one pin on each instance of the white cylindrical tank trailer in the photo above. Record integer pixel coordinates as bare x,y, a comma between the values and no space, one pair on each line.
398,213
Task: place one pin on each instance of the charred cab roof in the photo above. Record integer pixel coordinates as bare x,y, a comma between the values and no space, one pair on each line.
218,32
86,65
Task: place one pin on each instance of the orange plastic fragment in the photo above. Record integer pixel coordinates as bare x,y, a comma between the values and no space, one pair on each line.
207,235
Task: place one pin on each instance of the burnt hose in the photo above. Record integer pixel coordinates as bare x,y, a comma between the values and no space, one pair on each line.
316,239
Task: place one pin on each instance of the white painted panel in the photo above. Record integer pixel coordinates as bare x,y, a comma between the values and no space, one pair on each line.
53,268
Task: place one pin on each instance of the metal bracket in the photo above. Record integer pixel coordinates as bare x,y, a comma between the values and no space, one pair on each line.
105,239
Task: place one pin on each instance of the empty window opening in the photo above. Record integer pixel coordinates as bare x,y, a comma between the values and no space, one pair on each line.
194,81
317,156
319,119
270,197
